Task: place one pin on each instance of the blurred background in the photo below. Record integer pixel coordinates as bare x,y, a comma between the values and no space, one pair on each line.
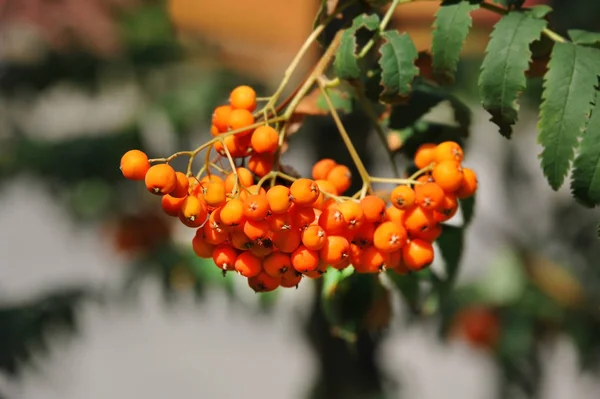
101,295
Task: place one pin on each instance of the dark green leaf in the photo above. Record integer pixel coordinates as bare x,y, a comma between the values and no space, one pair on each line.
502,77
584,37
450,243
585,183
342,100
346,64
409,288
567,100
467,207
510,3
398,56
451,26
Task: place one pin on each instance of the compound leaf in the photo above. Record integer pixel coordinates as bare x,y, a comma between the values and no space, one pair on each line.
502,77
585,183
451,26
346,64
584,37
567,100
397,62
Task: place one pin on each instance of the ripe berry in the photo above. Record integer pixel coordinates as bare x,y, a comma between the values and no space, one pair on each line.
429,235
248,265
314,237
302,216
240,118
373,208
332,220
321,168
352,213
134,165
161,179
212,178
372,260
304,260
278,198
448,151
287,240
291,278
468,185
279,221
244,176
389,237
277,264
201,248
325,187
193,212
429,196
256,207
232,213
335,250
402,197
240,241
304,192
261,164
265,139
417,220
235,144
425,155
224,256
255,230
448,175
213,233
182,186
341,177
417,254
394,214
214,194
220,117
243,97
448,208
171,205
262,282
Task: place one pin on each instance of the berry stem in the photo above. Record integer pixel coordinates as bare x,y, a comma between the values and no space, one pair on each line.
384,22
347,141
392,180
236,184
420,172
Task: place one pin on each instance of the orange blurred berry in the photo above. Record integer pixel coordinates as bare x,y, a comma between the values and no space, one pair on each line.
429,196
468,185
321,168
417,254
224,256
201,248
277,264
341,177
448,151
243,97
448,175
248,265
239,119
182,186
220,117
261,164
134,165
262,282
425,155
171,205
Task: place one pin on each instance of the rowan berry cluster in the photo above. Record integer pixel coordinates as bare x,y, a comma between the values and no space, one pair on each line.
277,235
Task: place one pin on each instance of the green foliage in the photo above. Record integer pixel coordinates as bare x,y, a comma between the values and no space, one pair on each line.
409,288
585,183
398,55
346,63
569,90
510,3
584,37
467,207
341,99
451,243
507,58
451,26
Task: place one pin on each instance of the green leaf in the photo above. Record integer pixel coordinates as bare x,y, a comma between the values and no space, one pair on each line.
467,206
451,26
398,56
567,100
450,243
584,37
585,183
342,100
507,57
346,64
510,3
408,285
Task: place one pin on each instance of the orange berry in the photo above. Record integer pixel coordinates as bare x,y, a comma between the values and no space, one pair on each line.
171,205
214,131
235,144
214,194
302,216
425,155
240,241
418,220
335,250
372,260
212,178
243,97
468,185
352,213
291,278
256,207
364,235
304,192
325,186
321,168
426,178
429,196
448,175
393,261
429,235
448,151
332,220
279,221
402,197
255,230
304,260
134,165
252,190
287,240
354,254
195,188
182,186
224,256
279,199
201,248
448,208
265,139
277,264
389,237
417,254
232,213
161,179
220,117
262,282
240,118
341,177
214,234
193,212
314,237
262,247
248,265
394,214
261,164
373,208
244,176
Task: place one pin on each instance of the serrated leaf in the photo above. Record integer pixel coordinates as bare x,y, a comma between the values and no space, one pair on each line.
467,207
585,183
342,101
451,26
346,64
507,57
450,244
584,37
567,100
408,285
397,62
